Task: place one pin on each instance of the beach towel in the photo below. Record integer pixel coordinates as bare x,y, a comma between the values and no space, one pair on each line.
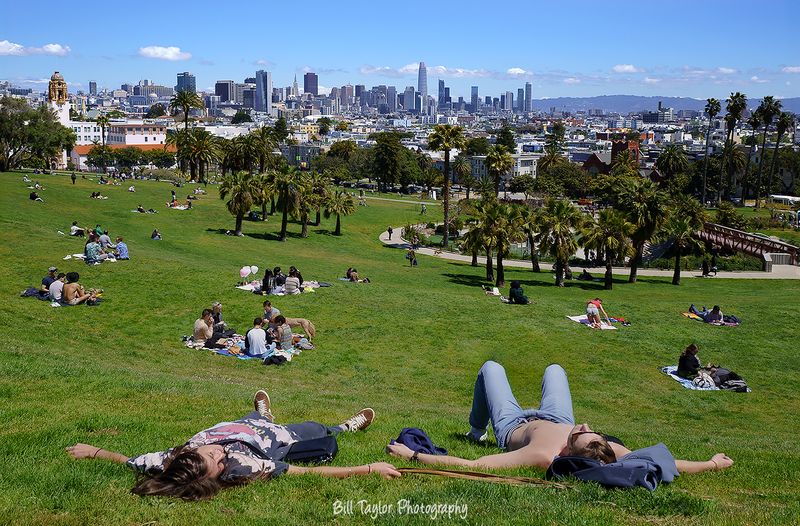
671,371
249,287
582,319
179,207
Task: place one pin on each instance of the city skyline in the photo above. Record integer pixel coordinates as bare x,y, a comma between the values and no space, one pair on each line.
578,50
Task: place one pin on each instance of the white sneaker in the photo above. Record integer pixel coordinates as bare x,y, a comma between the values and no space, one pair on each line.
475,438
359,421
261,404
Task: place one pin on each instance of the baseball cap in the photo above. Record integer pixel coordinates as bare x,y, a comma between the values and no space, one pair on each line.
52,269
216,304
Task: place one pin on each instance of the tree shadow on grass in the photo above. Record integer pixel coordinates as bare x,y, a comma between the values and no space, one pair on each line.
326,232
272,236
461,437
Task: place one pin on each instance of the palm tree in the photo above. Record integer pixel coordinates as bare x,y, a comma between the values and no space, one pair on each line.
185,101
713,108
462,168
472,242
241,189
203,151
282,184
785,121
769,108
735,106
625,164
687,218
264,143
498,163
755,123
550,159
263,192
646,207
557,235
737,161
530,225
340,203
507,230
320,190
672,161
102,121
446,137
302,195
610,236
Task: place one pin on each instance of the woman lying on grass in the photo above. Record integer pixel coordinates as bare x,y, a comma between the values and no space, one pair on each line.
234,453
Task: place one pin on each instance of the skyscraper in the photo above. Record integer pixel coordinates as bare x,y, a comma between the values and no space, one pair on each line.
295,89
391,98
93,88
440,101
528,106
508,102
359,93
186,82
311,83
520,100
226,90
422,87
263,99
474,100
408,98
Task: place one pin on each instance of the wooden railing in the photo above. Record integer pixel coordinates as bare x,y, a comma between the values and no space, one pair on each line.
752,244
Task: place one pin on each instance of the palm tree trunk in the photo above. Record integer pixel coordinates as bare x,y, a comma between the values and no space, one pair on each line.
559,273
772,164
318,218
304,220
534,255
501,275
284,216
338,230
467,193
446,190
239,218
264,211
676,275
705,168
474,258
609,275
489,268
746,177
272,205
637,259
760,165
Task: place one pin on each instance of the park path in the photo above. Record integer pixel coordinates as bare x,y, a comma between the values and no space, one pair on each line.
778,271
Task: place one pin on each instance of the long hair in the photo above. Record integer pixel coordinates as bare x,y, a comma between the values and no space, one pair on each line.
597,449
691,350
184,477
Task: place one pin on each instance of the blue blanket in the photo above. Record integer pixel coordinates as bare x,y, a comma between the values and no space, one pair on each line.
671,370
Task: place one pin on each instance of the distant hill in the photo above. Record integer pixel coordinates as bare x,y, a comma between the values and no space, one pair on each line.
636,103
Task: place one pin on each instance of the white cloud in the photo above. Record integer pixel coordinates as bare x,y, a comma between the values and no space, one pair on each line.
791,69
164,53
757,80
626,68
323,90
651,80
18,50
518,72
572,80
411,70
263,62
726,71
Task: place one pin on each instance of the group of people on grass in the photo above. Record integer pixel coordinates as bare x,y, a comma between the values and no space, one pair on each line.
351,274
278,283
99,247
64,289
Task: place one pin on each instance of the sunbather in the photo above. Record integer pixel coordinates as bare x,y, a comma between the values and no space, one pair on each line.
234,453
516,295
74,294
203,327
709,316
593,309
535,437
76,231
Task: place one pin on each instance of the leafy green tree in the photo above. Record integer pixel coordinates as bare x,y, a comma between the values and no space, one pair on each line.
343,150
609,236
446,137
785,121
155,111
100,157
127,158
558,224
240,190
281,130
477,146
713,108
735,107
340,204
185,101
498,163
342,126
388,159
687,218
505,137
30,136
240,117
524,183
647,208
563,179
324,125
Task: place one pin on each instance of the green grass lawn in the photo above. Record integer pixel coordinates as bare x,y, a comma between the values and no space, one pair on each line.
409,345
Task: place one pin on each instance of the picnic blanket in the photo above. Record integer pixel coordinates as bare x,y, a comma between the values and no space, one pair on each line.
582,319
727,322
239,341
82,257
179,207
671,371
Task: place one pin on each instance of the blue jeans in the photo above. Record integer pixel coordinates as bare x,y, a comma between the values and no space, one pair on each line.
493,400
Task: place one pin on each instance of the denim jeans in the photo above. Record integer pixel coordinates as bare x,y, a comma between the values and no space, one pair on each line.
493,400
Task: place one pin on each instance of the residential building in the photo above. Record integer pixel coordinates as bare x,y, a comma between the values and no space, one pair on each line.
131,133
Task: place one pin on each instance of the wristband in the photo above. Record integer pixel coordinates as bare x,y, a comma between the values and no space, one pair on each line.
369,469
716,466
96,452
415,456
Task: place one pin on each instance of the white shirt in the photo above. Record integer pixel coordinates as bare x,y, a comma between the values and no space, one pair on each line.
56,290
256,342
73,229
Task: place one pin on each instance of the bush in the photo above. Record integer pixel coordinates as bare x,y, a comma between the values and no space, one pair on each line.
410,230
727,215
736,262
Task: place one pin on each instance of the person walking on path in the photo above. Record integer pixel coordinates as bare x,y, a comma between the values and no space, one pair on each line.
72,176
411,256
389,230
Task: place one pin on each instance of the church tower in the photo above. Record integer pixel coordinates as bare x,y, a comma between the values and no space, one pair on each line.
57,98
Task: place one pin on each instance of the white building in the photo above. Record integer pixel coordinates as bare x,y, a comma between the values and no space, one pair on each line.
524,164
133,133
87,132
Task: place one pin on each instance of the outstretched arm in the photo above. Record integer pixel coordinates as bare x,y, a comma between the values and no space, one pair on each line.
520,457
387,471
718,462
79,451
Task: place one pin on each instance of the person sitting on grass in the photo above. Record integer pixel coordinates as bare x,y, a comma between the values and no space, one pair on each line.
48,280
270,312
709,316
105,241
689,363
516,295
203,327
156,235
216,315
257,339
535,437
296,272
355,278
234,453
283,333
593,309
121,249
141,209
56,289
35,197
76,231
74,294
585,276
93,252
292,284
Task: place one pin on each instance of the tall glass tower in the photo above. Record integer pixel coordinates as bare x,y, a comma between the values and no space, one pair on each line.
422,87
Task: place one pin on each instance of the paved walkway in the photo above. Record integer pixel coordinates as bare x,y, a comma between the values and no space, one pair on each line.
407,201
778,271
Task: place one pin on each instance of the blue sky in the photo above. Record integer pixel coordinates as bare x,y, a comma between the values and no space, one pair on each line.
699,48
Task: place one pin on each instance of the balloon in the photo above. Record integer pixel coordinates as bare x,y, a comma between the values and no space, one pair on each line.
254,269
244,271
